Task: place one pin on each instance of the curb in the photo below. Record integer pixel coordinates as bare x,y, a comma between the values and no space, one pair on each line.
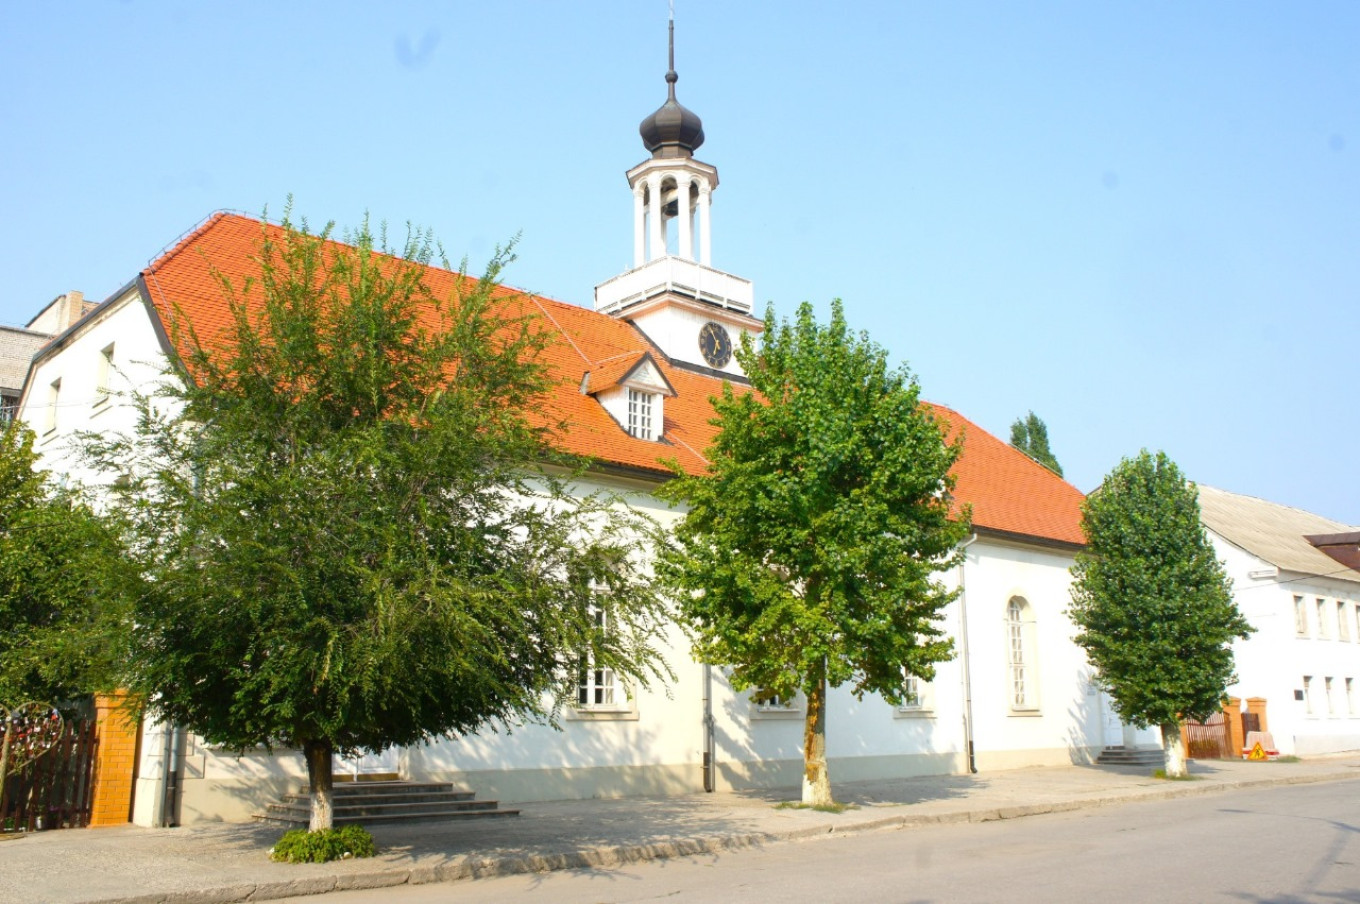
467,867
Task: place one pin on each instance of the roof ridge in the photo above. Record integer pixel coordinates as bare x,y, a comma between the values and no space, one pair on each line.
1278,505
570,341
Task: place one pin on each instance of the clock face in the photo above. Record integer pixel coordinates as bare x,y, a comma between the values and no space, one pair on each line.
715,345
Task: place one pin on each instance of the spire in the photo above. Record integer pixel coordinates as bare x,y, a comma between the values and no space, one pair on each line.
672,131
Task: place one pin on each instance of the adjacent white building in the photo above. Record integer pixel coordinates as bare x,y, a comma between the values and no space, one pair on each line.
1304,658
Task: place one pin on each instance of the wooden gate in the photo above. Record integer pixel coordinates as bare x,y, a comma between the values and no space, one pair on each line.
55,790
1208,740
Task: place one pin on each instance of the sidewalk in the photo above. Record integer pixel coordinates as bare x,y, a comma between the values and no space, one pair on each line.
220,864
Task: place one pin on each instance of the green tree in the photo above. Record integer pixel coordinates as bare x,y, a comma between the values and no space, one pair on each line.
61,615
347,513
1030,435
1153,608
808,555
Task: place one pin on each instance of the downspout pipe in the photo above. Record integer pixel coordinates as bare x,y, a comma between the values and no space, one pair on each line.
709,764
965,658
170,790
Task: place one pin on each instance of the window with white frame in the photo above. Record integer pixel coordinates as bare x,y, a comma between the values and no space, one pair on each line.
1343,622
103,375
642,413
1308,706
1327,689
9,408
53,397
597,687
917,696
1322,619
1300,617
1350,696
1020,670
769,705
1357,621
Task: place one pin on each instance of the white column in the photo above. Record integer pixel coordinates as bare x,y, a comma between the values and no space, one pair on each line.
658,236
705,244
684,217
639,225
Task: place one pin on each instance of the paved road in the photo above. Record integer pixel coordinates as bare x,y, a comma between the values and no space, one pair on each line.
1284,846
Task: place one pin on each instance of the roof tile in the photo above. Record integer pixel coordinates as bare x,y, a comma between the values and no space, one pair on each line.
1008,491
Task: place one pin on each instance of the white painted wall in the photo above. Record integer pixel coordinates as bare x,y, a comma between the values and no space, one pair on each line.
1272,662
656,746
138,361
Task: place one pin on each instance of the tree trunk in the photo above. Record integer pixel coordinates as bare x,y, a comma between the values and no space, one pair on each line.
320,782
816,780
1173,751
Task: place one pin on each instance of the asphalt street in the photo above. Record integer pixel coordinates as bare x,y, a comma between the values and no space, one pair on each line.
1290,844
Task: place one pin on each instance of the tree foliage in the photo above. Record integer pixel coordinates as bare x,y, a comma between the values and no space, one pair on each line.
345,512
1030,435
809,552
1153,607
61,612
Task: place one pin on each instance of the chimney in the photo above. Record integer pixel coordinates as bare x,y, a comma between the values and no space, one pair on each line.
75,308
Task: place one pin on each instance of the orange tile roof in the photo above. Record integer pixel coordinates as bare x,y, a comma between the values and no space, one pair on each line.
1008,491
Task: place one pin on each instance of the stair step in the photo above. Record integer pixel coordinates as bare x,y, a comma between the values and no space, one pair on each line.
394,797
435,806
456,816
386,801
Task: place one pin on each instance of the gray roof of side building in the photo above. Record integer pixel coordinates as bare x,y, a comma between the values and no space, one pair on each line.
17,348
1273,532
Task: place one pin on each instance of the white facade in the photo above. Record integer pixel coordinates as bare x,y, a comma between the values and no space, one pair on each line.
651,741
1304,658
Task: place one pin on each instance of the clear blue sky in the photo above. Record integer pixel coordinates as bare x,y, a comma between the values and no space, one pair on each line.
1140,220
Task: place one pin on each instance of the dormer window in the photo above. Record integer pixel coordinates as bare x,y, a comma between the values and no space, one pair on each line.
641,406
633,389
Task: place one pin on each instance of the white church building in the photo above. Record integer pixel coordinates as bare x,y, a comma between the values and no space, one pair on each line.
634,373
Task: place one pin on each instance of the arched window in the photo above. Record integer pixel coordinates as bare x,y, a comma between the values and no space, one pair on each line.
1021,673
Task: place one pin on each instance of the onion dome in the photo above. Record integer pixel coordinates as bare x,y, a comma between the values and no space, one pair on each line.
673,130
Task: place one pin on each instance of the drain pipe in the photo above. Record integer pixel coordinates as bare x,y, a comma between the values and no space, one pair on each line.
966,661
170,790
709,764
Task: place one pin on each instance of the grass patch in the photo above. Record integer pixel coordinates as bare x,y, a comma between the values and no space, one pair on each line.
1161,774
820,808
1285,759
302,846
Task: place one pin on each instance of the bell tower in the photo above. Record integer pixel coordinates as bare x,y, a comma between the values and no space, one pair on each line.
693,312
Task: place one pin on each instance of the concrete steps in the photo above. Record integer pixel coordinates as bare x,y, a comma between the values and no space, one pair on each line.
386,801
1131,756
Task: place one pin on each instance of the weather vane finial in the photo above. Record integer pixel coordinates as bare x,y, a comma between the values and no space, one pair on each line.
671,76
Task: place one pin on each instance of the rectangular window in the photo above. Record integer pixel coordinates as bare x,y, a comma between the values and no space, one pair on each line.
103,375
1308,695
53,396
1322,618
9,409
1300,617
917,697
1350,696
773,703
1327,689
640,420
597,687
1343,623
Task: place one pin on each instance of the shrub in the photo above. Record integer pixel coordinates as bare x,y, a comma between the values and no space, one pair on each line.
302,846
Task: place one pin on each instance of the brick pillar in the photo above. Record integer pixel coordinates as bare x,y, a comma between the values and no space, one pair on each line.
1257,705
112,803
1232,714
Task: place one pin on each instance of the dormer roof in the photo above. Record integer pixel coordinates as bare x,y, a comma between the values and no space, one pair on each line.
636,368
